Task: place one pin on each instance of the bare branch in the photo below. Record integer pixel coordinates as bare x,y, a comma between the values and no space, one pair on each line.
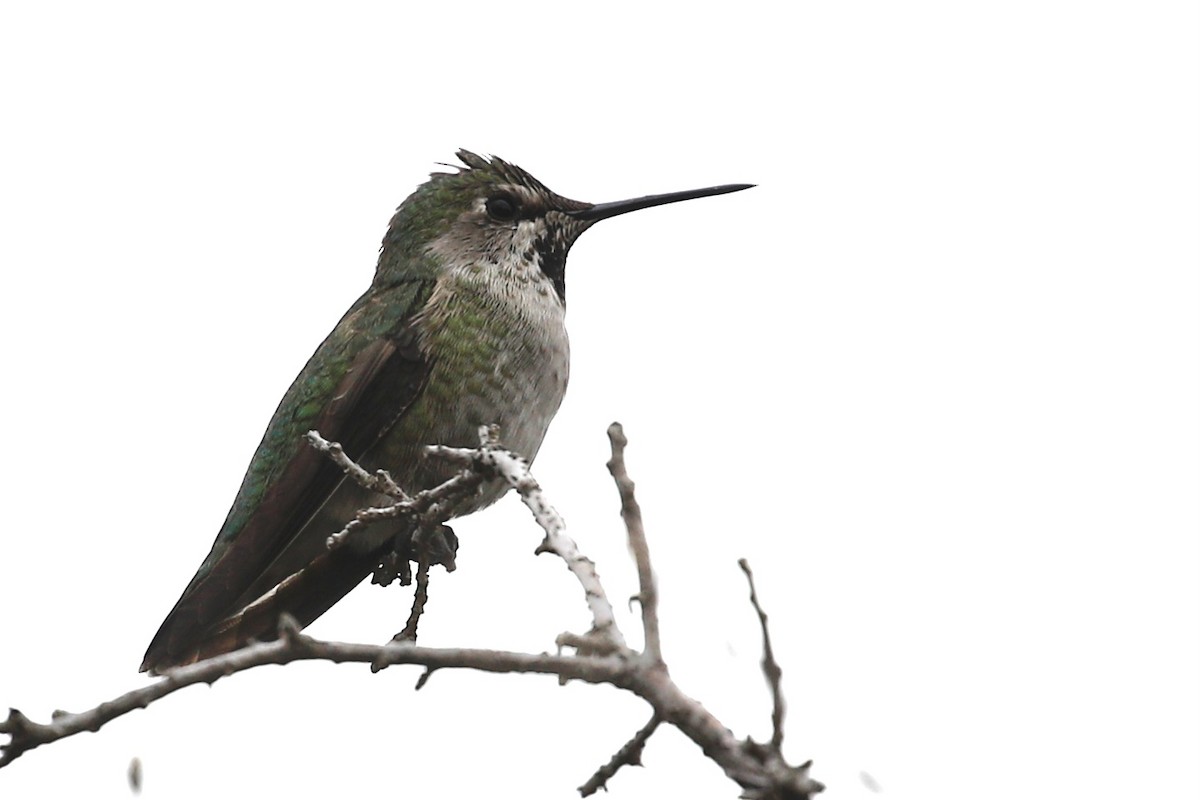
630,754
600,656
743,761
631,512
770,667
295,646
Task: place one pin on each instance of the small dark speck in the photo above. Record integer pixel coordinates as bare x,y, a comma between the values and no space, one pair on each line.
135,775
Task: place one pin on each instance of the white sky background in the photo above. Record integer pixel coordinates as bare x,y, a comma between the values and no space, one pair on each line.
937,377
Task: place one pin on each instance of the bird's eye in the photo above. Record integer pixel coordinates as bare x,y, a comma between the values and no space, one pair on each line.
502,208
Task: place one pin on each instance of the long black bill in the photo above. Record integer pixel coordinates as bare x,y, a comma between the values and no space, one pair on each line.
606,210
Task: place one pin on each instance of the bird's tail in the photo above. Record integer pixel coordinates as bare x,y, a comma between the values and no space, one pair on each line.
309,593
305,595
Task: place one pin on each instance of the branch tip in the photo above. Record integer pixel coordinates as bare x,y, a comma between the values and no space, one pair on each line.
630,755
631,513
421,681
770,667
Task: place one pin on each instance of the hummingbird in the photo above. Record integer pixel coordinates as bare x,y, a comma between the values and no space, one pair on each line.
462,327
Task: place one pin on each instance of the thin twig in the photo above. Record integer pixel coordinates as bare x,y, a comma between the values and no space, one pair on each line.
441,499
631,512
420,596
379,481
630,754
770,667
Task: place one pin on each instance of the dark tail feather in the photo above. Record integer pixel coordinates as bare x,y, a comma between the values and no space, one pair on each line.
305,595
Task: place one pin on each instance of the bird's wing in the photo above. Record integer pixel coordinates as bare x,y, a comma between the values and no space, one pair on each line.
359,382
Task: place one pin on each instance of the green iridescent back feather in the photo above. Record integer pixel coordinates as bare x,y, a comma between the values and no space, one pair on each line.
378,313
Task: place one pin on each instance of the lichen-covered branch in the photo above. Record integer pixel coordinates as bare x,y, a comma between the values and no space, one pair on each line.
491,459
